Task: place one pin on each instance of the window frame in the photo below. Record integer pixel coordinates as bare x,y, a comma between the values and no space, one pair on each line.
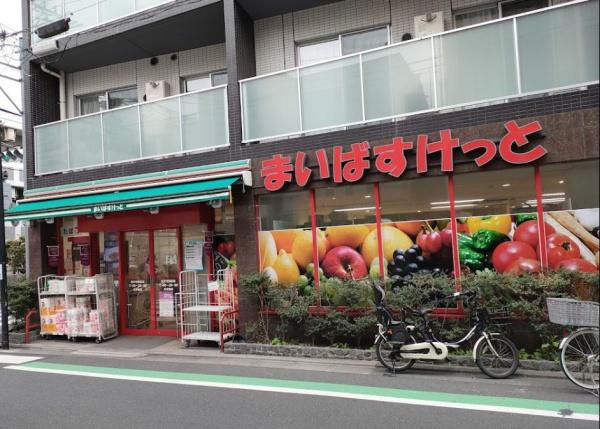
339,38
497,5
184,79
106,93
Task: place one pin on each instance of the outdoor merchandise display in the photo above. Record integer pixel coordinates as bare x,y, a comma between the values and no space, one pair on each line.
208,307
78,306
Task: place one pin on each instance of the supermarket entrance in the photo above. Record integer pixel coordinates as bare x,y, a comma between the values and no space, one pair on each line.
151,278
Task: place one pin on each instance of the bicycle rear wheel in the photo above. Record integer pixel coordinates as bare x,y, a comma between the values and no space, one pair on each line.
579,358
389,356
501,360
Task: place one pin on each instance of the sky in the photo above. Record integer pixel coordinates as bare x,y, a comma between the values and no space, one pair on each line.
10,21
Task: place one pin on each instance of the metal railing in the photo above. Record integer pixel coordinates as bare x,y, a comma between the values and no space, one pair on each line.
85,14
536,52
190,122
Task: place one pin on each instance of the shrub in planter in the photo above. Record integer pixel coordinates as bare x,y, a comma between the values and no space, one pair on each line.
22,297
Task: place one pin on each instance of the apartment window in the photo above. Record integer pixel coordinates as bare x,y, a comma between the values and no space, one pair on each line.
343,44
471,16
97,102
196,83
510,8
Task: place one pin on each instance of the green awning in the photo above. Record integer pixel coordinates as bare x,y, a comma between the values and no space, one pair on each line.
134,199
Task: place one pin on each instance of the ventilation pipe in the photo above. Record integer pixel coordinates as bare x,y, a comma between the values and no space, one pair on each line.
62,91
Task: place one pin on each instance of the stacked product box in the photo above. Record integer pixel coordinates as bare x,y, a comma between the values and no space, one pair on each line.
52,315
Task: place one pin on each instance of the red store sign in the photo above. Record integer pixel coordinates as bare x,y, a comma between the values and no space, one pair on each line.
390,158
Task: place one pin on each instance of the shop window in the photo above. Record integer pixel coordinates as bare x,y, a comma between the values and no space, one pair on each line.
285,239
197,247
497,223
570,186
224,238
504,191
285,210
109,253
570,200
415,213
346,219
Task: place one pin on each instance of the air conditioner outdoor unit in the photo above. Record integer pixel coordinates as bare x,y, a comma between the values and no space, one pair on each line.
428,24
156,89
7,134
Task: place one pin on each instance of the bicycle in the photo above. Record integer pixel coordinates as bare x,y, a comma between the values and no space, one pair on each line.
579,350
397,349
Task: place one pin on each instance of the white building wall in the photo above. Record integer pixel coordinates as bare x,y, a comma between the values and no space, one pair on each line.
197,61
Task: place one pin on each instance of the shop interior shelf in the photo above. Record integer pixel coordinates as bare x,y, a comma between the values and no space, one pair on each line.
209,308
206,336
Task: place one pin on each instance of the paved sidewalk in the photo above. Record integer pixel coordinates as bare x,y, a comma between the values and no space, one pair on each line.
166,349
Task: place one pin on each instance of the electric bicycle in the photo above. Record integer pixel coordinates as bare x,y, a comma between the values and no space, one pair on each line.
397,347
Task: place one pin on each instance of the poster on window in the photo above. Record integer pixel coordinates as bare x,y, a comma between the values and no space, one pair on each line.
166,298
192,254
224,252
53,255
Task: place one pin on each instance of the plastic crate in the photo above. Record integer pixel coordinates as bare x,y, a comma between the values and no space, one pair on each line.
571,312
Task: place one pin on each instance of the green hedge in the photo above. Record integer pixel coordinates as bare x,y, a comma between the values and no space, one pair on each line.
524,295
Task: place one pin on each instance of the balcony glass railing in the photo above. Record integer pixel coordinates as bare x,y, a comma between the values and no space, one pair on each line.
85,13
190,122
541,51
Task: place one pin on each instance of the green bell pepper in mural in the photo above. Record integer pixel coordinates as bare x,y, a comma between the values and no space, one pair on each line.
486,240
520,218
467,254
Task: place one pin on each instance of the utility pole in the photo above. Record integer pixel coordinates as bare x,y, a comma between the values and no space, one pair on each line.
3,285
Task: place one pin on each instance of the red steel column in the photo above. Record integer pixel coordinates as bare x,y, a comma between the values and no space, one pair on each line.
378,223
540,218
453,222
315,245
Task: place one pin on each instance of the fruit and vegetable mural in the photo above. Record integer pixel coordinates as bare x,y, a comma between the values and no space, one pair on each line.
350,252
503,243
511,243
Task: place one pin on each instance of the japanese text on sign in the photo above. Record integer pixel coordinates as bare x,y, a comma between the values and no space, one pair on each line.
390,159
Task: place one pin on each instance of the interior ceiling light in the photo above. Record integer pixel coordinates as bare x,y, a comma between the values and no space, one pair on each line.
505,185
354,209
474,200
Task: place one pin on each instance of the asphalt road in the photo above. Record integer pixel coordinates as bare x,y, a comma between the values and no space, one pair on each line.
49,400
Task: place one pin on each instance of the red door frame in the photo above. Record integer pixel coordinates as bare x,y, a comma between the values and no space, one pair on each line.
153,330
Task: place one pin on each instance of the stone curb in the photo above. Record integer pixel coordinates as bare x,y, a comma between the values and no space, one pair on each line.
356,354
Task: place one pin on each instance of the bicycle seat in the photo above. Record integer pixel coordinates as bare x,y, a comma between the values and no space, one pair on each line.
422,312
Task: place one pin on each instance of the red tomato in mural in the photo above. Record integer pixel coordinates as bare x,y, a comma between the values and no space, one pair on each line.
560,248
430,242
577,264
510,251
446,237
528,233
222,248
524,265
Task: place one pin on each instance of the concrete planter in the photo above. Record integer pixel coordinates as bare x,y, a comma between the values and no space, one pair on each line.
356,354
19,337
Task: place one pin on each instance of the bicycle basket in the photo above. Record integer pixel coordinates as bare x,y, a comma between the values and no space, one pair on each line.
571,312
500,316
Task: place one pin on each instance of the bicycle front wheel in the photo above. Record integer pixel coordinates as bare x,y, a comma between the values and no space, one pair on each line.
497,357
579,358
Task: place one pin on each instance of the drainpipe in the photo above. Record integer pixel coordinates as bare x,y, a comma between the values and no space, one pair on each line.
62,91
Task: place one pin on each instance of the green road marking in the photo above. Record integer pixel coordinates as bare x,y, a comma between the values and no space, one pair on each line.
457,398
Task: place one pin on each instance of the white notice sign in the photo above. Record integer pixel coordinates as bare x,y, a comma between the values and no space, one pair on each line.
193,252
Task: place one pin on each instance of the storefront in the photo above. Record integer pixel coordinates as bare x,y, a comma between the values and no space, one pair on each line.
397,208
144,233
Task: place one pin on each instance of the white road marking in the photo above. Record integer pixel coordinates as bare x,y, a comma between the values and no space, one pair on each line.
333,394
16,359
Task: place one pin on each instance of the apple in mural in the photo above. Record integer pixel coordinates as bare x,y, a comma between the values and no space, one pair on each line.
345,263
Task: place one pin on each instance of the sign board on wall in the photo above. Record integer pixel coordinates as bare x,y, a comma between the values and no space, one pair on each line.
390,158
53,254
